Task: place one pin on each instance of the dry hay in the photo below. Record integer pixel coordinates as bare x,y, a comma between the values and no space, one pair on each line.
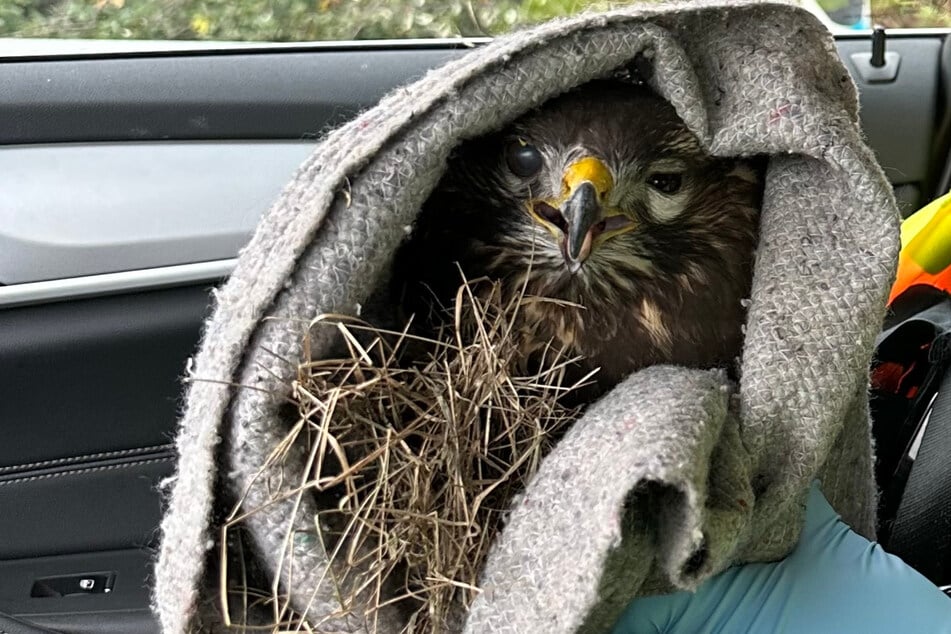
416,448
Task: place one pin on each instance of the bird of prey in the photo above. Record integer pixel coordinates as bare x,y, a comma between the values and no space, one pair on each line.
604,200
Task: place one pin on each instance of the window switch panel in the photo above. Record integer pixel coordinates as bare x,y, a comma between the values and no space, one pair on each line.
73,585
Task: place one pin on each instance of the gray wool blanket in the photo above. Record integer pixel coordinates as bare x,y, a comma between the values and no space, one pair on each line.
674,475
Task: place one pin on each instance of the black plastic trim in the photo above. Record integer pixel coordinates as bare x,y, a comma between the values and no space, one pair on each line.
124,610
220,95
207,49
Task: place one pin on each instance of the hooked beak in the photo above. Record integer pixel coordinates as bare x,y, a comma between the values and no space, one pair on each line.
581,211
585,186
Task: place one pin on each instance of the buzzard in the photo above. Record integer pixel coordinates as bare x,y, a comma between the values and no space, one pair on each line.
604,201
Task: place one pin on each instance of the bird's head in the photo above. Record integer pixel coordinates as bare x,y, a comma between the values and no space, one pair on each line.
594,180
604,199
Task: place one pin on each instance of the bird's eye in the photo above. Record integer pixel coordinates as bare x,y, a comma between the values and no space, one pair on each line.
523,159
665,182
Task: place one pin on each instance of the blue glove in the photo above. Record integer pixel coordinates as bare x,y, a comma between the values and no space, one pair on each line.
834,581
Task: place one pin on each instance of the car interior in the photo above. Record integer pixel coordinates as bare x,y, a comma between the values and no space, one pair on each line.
129,180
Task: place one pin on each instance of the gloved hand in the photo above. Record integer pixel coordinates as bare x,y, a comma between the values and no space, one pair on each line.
834,581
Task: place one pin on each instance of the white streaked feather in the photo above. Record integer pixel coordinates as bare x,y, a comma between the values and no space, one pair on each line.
663,207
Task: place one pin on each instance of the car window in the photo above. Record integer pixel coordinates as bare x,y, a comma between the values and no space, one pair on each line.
328,20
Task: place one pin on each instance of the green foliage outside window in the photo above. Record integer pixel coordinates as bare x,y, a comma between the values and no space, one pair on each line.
309,20
275,20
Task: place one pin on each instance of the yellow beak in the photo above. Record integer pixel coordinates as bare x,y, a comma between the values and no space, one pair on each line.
580,217
587,170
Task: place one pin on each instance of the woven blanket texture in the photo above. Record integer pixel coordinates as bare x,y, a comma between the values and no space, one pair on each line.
675,474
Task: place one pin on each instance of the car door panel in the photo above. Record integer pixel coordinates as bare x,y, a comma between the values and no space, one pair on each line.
90,394
94,376
80,209
900,117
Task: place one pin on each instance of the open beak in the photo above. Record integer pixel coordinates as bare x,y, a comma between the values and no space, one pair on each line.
585,185
582,211
580,217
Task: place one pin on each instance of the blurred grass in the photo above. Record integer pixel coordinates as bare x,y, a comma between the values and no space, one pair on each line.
303,20
276,20
912,13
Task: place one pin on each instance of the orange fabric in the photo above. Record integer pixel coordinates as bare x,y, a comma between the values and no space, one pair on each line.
926,248
910,273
